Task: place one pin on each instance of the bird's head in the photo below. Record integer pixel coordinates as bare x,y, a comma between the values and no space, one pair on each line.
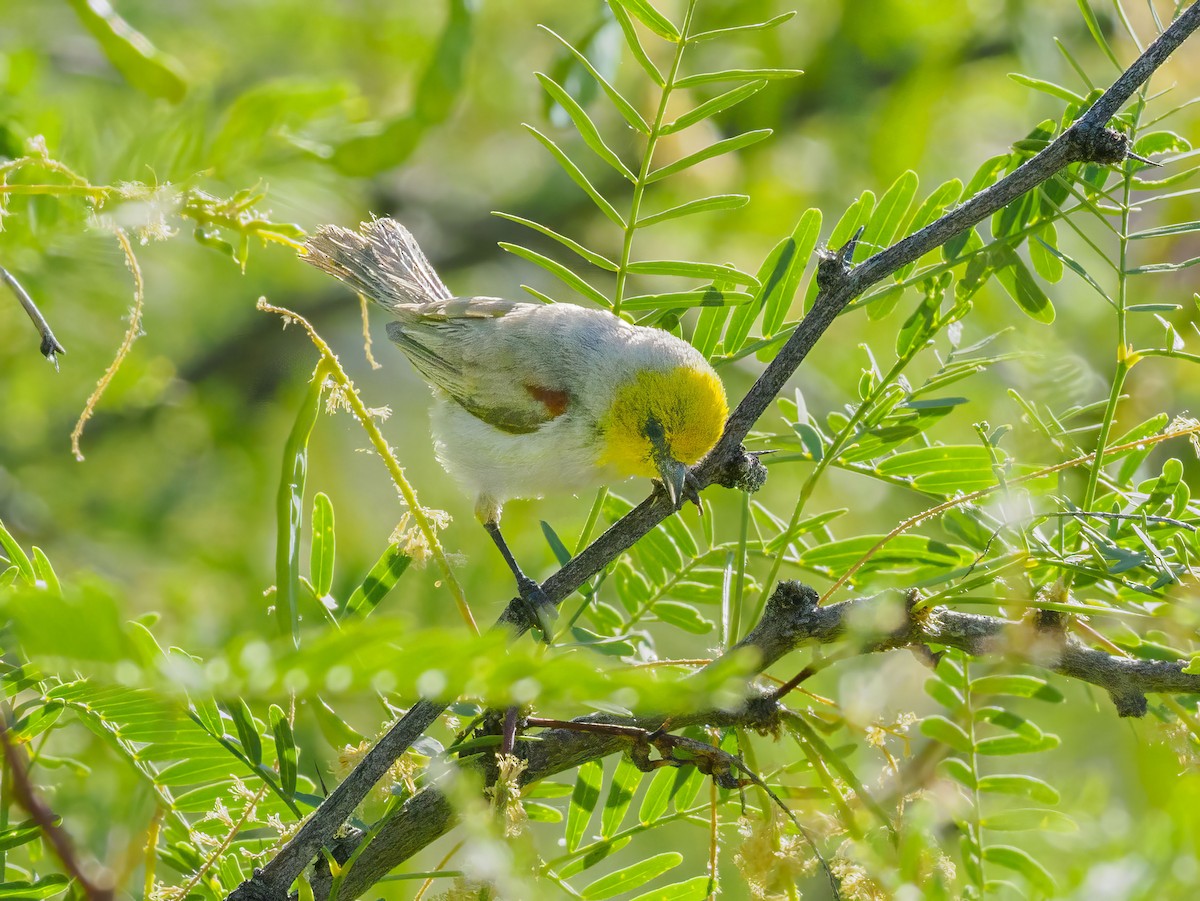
661,422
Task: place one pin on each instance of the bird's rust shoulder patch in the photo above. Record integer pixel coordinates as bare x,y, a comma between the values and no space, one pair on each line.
553,399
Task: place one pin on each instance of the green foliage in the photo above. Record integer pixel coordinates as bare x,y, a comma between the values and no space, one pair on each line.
1014,465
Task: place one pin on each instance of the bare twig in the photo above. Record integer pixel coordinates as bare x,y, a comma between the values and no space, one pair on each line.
1087,140
46,819
50,347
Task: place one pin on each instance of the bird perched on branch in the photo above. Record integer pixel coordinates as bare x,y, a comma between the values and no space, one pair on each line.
533,398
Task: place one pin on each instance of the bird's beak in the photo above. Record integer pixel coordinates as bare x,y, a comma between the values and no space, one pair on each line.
673,473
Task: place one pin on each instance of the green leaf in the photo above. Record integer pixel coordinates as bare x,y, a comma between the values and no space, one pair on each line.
634,44
776,297
1161,142
1021,785
739,29
694,889
285,748
1015,859
944,469
686,269
1047,264
703,297
737,142
1047,87
578,177
379,581
131,53
289,512
597,260
703,205
902,553
737,75
586,128
1162,267
556,544
45,572
708,329
1004,745
658,796
335,729
890,212
559,271
16,556
809,524
682,616
625,781
957,769
583,802
1029,818
247,730
320,565
624,107
1018,685
1093,26
948,733
713,106
15,836
1180,228
46,887
632,876
1020,284
651,18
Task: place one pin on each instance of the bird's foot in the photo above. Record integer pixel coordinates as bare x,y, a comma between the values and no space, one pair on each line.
540,611
689,492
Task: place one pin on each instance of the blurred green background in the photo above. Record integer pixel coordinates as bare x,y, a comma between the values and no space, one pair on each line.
173,506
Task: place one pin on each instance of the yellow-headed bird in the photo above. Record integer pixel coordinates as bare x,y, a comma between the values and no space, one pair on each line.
533,398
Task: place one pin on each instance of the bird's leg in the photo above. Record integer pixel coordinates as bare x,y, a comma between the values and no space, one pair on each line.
540,609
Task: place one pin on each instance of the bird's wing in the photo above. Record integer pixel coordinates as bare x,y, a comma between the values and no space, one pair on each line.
464,347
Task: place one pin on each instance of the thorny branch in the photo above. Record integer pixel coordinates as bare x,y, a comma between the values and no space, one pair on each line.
792,620
1087,140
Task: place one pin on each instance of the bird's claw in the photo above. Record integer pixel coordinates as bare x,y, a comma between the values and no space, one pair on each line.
540,611
690,491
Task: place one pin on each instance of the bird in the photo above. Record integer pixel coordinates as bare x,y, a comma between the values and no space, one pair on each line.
533,398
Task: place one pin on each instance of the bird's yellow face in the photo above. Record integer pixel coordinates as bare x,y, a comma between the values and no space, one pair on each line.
661,416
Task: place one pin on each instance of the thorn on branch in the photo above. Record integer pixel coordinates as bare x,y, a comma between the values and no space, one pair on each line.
1098,145
834,266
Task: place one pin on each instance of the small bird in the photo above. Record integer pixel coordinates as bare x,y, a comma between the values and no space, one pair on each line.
533,398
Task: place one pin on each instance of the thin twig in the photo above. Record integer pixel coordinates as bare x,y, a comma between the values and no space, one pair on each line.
46,819
50,347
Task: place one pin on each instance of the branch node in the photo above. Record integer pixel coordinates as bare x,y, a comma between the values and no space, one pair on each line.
833,267
1098,145
743,472
1130,703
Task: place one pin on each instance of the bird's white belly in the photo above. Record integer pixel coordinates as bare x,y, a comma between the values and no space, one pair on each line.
560,457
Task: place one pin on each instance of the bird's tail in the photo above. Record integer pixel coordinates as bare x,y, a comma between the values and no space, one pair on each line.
381,260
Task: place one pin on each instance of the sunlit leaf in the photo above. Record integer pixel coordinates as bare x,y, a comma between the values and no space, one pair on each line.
583,123
715,105
703,205
728,145
583,802
651,18
131,53
559,271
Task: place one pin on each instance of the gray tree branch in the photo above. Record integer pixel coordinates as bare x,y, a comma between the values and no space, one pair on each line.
1087,140
791,620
